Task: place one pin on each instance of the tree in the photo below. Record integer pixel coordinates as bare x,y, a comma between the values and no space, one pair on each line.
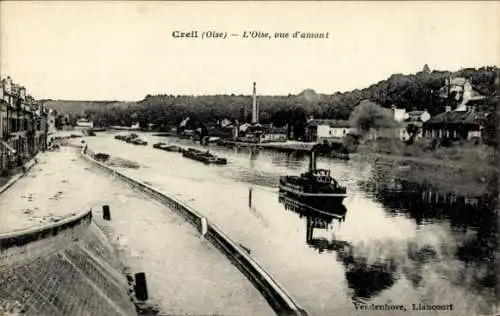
58,124
412,130
265,117
369,115
490,131
420,91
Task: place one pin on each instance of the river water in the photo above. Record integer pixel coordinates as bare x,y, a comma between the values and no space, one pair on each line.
399,243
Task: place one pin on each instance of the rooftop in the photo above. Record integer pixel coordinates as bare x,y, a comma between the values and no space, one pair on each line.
458,117
459,81
329,122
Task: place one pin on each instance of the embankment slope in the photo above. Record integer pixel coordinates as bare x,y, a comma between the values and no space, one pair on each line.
67,268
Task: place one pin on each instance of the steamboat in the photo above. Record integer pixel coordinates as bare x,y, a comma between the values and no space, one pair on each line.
316,189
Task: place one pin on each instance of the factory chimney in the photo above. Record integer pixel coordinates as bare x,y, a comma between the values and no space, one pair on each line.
255,109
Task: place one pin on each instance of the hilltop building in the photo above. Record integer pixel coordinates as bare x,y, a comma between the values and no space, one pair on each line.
460,89
465,121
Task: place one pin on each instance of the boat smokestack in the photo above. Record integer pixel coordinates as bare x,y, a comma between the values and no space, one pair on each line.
255,110
312,161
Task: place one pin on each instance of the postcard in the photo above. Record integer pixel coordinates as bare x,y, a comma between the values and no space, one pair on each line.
249,158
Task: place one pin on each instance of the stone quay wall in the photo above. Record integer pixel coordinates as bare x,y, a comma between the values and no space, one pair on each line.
277,297
65,268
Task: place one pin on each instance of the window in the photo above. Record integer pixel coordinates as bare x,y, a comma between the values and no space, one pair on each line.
13,125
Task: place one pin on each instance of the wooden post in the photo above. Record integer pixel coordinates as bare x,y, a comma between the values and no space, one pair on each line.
141,288
204,226
309,230
106,215
250,197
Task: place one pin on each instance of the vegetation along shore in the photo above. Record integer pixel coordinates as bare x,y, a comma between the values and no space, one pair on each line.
440,126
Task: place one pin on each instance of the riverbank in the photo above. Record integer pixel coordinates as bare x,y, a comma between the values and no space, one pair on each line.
157,241
466,168
462,168
277,238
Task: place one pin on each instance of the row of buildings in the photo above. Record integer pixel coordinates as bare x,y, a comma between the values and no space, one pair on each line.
467,120
452,124
24,125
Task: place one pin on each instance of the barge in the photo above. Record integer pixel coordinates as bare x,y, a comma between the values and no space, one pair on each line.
203,156
132,139
315,188
167,147
127,138
138,141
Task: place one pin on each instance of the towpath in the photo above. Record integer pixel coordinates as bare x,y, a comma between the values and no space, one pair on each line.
185,274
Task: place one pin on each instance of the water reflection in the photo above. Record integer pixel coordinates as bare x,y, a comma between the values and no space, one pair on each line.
254,153
389,248
292,160
365,279
473,221
371,267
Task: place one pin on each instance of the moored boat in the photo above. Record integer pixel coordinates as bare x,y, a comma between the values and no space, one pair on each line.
173,148
98,129
316,187
160,145
127,138
167,147
133,127
203,156
139,141
89,132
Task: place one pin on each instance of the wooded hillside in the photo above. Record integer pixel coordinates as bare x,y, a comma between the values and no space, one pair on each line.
413,92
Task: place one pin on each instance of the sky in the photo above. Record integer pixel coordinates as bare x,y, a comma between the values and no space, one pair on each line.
79,50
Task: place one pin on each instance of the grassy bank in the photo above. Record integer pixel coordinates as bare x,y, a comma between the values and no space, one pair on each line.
465,152
466,168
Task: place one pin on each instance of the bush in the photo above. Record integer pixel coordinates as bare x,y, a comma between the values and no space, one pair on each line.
336,146
101,157
434,143
350,142
446,142
369,115
475,140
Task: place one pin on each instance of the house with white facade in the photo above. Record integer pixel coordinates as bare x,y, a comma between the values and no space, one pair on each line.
416,118
320,130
